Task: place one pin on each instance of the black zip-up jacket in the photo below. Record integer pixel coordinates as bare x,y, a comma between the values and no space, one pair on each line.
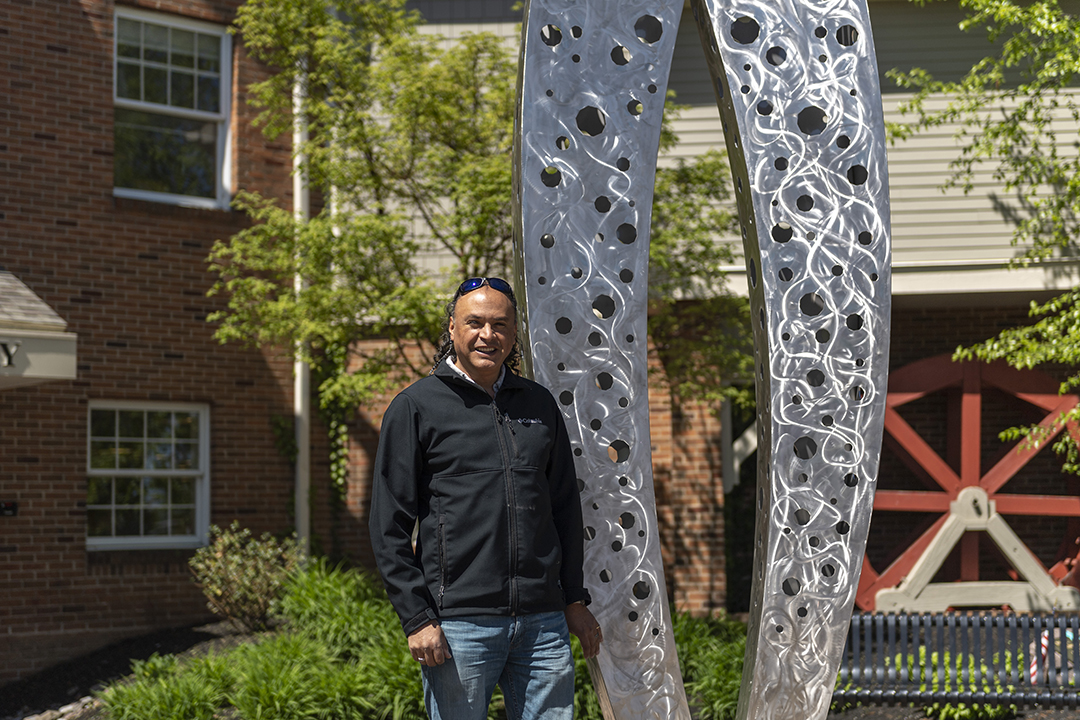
492,482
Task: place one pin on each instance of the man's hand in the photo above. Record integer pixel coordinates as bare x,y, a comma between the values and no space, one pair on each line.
428,645
582,623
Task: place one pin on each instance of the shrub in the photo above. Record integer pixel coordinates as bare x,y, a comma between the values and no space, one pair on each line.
162,689
242,577
711,658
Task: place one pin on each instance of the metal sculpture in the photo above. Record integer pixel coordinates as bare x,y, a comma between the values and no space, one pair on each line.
797,88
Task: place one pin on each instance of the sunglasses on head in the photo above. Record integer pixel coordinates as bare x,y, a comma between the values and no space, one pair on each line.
476,283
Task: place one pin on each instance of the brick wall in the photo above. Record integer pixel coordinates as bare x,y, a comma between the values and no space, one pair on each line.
130,278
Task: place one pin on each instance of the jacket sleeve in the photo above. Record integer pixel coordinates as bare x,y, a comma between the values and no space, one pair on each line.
566,509
394,509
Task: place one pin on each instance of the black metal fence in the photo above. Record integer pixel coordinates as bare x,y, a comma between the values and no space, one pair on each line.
993,659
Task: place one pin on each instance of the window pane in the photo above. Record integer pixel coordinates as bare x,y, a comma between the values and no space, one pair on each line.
187,456
127,81
183,491
187,425
209,93
131,424
210,53
99,491
183,48
155,43
128,38
103,454
103,423
127,490
127,522
99,523
155,87
165,154
155,522
183,521
155,491
183,89
130,454
160,456
159,424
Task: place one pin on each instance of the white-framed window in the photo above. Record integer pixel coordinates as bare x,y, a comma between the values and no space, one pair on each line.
171,97
148,479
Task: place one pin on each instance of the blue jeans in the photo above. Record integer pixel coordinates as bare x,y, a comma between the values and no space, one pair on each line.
529,656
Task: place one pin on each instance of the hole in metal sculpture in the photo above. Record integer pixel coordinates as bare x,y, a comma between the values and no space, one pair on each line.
785,274
815,377
634,107
624,481
744,90
591,121
821,58
857,175
576,31
542,280
598,237
626,233
747,66
619,451
761,318
802,612
620,55
857,393
847,35
843,141
815,541
623,402
549,93
564,325
792,586
655,631
865,238
805,203
551,35
720,88
561,366
577,58
623,164
626,275
562,142
822,335
648,29
602,204
629,338
632,616
641,589
820,31
780,163
805,447
605,576
827,421
776,56
575,272
785,336
851,479
566,397
782,232
551,176
547,240
595,339
595,424
873,277
812,304
828,570
577,453
780,628
796,400
604,381
837,270
745,30
802,516
854,322
603,307
843,528
627,520
764,107
812,120
590,532
753,273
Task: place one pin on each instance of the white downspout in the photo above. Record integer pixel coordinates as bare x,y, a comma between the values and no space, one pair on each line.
301,370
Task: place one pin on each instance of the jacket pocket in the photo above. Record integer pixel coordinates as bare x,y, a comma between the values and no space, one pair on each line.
443,570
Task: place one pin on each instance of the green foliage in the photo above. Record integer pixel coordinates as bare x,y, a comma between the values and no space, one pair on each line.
409,143
344,657
243,577
924,672
1005,109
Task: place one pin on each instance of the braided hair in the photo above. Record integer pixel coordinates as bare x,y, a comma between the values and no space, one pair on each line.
446,343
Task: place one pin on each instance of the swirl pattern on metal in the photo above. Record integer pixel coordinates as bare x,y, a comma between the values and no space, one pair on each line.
591,98
796,83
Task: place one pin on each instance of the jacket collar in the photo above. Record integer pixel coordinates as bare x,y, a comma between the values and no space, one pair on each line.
511,381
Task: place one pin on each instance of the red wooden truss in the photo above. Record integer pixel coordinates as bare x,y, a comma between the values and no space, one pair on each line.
971,500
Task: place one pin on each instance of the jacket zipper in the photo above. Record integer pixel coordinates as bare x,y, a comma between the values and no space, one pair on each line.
507,476
443,570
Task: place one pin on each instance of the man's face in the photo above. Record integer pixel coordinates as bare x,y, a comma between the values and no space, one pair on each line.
483,330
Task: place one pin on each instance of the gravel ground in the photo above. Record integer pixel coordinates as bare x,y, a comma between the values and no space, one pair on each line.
65,692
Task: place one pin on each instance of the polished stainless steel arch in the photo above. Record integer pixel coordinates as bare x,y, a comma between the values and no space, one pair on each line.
797,89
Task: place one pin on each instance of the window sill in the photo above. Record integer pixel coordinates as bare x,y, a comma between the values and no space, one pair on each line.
166,199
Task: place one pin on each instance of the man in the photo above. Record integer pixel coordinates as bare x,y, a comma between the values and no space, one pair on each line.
480,456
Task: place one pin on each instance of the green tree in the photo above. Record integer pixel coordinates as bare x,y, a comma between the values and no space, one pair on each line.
410,151
1011,110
